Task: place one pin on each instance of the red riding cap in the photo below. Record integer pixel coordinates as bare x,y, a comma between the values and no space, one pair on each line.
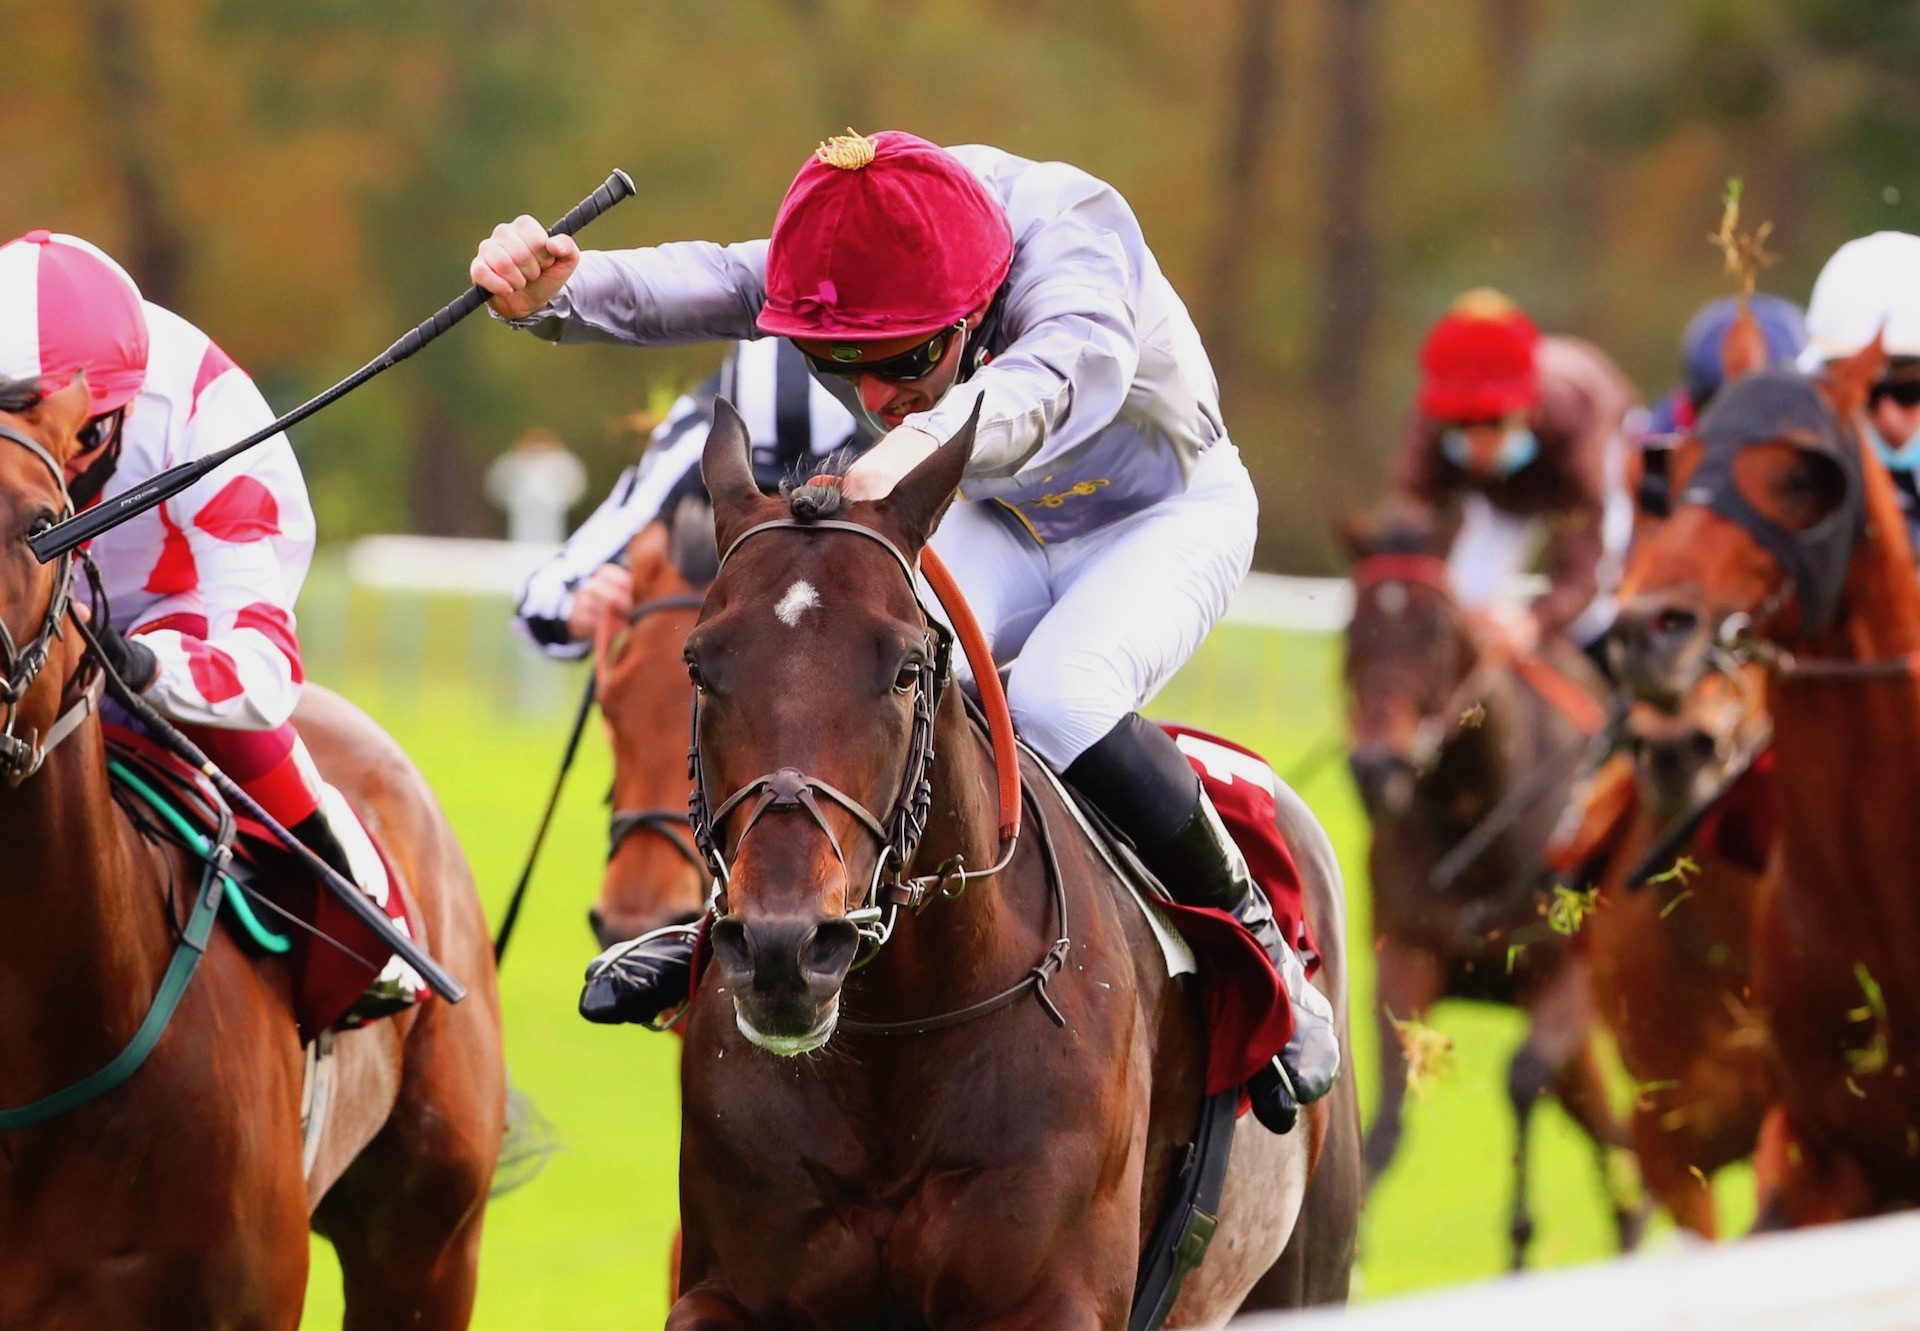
66,307
1478,362
882,237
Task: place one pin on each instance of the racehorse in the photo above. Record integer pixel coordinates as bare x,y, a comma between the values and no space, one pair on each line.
1789,546
1453,739
1667,945
654,876
178,1198
978,1125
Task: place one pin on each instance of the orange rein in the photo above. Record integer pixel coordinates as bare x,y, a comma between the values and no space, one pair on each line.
986,676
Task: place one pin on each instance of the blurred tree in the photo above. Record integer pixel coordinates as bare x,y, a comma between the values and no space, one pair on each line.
1349,229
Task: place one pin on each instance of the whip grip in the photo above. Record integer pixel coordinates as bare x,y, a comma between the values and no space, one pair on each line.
617,186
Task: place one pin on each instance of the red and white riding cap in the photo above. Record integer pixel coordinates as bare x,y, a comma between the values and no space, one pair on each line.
65,307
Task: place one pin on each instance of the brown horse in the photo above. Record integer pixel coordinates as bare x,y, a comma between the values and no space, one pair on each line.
1448,734
178,1198
654,875
1789,545
1000,1171
1669,958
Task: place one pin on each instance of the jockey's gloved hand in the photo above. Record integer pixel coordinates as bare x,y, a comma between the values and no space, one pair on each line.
643,981
128,658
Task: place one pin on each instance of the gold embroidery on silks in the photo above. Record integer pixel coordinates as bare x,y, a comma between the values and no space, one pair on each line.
1078,490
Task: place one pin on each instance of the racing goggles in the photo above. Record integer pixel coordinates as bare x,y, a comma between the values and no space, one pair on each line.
903,367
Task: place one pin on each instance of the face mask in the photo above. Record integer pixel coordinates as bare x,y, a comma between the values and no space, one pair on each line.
1904,458
1518,447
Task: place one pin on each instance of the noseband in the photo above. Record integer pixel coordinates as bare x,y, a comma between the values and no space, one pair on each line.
20,664
789,789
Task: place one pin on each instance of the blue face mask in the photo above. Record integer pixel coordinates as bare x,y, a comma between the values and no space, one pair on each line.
1904,458
1518,447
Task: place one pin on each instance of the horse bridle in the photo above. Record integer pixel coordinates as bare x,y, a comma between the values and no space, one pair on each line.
20,664
788,788
664,823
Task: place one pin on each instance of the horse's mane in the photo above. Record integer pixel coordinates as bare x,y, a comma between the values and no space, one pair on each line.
809,497
20,394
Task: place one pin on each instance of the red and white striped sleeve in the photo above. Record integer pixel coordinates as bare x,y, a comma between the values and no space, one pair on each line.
236,551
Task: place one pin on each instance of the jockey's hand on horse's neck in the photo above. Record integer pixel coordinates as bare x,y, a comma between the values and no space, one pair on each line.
521,267
877,471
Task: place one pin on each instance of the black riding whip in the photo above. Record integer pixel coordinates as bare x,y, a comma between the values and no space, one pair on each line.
58,539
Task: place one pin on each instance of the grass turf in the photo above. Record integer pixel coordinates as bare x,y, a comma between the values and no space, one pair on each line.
585,1244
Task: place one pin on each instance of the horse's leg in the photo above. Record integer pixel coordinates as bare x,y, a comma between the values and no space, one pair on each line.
405,1218
1666,1171
1563,1024
1529,1075
1410,981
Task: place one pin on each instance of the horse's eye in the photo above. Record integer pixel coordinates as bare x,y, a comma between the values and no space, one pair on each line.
909,676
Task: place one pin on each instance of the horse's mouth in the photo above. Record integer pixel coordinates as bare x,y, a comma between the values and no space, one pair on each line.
788,1046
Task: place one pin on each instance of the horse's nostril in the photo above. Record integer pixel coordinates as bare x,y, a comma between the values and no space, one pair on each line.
595,920
1675,622
830,950
729,941
1703,745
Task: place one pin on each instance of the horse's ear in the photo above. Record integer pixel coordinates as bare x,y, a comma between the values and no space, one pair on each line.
727,468
691,545
60,414
922,495
1847,382
1744,349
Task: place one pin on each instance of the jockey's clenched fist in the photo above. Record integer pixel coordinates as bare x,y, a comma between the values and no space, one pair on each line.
521,267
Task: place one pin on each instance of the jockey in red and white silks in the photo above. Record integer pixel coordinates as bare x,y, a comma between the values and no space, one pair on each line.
201,587
1107,517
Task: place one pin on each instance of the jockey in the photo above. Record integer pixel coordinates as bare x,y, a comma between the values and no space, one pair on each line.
202,587
1784,330
792,421
1107,517
1872,285
1527,433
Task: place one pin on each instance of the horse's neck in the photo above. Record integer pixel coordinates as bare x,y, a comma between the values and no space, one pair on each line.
952,948
70,891
1848,750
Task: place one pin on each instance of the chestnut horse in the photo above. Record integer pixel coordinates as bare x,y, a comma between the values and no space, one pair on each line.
1446,731
1787,544
1669,958
996,1171
178,1198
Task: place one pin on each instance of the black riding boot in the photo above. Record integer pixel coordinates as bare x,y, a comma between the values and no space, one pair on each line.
396,988
644,981
1139,778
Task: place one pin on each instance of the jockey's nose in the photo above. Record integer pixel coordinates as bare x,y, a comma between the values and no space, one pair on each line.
1657,645
876,395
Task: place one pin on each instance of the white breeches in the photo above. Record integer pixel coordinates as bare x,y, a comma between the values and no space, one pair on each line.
1096,624
1493,549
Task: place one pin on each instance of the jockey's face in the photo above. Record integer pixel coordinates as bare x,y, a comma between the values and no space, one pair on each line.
891,400
95,438
1894,406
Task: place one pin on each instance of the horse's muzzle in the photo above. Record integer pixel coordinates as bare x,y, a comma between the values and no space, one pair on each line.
1384,777
784,974
1659,646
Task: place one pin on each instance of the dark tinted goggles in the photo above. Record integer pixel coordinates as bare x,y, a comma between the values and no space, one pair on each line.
1906,392
904,367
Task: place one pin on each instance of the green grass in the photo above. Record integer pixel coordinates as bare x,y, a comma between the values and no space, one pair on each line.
585,1245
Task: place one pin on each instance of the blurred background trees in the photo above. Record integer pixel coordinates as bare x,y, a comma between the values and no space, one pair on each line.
1318,178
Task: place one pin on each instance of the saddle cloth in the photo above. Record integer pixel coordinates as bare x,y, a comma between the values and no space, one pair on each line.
326,978
1248,1016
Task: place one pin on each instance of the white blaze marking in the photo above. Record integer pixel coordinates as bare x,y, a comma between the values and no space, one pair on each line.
800,598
